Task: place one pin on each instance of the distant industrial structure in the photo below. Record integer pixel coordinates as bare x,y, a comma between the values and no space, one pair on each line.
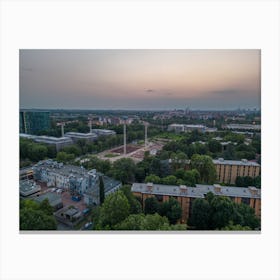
185,195
76,180
250,127
190,127
31,122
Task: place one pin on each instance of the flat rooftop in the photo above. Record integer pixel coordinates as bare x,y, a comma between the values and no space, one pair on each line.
103,131
235,162
28,187
196,192
244,126
62,169
51,139
81,135
53,198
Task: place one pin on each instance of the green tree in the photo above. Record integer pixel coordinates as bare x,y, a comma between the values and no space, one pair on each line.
124,170
214,146
101,190
151,205
248,217
191,177
154,222
114,210
36,220
132,222
147,222
64,157
73,149
200,214
135,206
46,207
153,179
140,174
204,165
169,180
237,227
38,152
35,216
222,211
171,209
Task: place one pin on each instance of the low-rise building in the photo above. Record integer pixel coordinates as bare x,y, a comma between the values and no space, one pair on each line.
186,127
26,173
28,188
54,199
75,179
185,195
237,126
228,170
75,136
58,142
103,132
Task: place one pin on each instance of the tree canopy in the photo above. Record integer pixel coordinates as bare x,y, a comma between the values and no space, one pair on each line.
205,166
35,216
219,212
114,209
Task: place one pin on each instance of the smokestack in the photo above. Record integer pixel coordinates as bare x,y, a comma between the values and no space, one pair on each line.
124,137
146,138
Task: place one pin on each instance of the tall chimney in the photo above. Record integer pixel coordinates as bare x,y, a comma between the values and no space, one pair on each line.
124,137
146,138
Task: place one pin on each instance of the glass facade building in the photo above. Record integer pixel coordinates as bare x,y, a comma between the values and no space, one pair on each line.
31,122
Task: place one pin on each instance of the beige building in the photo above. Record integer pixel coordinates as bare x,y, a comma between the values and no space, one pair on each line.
186,195
228,170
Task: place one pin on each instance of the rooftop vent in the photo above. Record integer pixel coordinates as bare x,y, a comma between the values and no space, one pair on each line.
150,186
253,190
217,188
183,189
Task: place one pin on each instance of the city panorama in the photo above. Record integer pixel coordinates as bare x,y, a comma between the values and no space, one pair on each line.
140,140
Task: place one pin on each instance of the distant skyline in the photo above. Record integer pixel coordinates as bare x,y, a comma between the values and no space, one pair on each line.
140,79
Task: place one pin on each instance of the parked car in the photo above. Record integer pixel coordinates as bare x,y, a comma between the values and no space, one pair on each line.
88,226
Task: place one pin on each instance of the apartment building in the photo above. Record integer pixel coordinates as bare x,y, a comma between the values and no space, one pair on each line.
229,170
186,195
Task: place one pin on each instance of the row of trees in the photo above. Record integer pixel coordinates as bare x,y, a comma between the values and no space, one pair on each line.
123,211
236,150
218,212
248,181
180,177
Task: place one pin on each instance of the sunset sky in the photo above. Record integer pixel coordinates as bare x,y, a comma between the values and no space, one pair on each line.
140,79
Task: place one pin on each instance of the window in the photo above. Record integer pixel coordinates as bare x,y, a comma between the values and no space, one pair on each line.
159,197
245,200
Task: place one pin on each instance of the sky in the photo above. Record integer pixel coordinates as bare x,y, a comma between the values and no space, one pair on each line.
140,79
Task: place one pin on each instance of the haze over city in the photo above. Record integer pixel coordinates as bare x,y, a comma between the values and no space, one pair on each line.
140,79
